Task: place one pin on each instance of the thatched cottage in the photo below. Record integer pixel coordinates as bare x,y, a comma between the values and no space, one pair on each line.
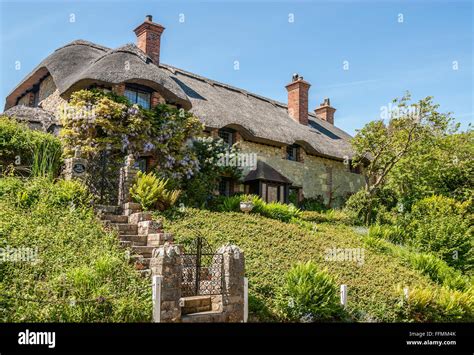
299,153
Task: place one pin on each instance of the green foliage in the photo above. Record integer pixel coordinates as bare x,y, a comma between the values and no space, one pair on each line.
274,210
394,234
210,153
272,247
442,226
308,294
440,164
380,238
42,191
437,305
96,120
280,211
150,191
38,153
366,208
313,204
78,272
329,216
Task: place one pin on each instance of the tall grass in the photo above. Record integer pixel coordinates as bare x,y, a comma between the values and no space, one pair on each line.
46,159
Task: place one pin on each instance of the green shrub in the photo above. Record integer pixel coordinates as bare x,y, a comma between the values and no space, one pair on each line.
329,216
280,211
437,305
313,204
79,272
427,264
27,193
28,151
150,191
365,208
274,210
308,294
393,234
443,226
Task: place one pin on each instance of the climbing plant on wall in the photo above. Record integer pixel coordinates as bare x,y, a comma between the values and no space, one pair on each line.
96,120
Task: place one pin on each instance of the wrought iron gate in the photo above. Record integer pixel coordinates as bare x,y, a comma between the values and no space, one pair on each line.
104,178
202,270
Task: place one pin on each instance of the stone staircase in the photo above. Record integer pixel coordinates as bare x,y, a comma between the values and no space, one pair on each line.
139,234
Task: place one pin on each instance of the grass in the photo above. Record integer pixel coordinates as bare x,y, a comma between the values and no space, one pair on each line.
271,247
80,273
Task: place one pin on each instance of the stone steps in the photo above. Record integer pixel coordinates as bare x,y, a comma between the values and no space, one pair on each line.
136,239
195,304
114,218
203,317
138,232
125,228
145,251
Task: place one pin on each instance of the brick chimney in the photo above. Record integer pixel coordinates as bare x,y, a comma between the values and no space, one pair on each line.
325,111
298,99
149,38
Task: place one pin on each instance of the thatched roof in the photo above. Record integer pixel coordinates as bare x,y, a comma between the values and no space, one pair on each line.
34,117
80,62
259,118
218,105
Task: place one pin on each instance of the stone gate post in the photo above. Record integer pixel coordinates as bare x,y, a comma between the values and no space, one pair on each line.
167,262
76,167
233,283
128,174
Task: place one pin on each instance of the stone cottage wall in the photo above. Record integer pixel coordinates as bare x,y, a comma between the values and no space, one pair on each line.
314,175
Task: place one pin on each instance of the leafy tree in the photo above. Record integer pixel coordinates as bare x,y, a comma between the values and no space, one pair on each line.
439,165
382,146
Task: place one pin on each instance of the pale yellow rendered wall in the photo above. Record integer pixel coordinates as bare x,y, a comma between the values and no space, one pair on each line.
312,174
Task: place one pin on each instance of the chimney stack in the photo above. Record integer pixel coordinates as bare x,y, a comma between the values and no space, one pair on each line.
149,38
325,111
298,99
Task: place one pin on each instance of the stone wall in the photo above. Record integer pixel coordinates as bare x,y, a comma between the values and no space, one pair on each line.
313,175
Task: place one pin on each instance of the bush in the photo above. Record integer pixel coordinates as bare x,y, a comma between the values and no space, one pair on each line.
150,191
308,294
313,204
274,210
28,151
367,209
442,226
427,264
27,193
437,305
280,211
330,216
393,234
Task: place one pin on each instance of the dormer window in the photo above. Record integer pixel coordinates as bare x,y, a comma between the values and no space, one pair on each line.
138,95
292,152
227,135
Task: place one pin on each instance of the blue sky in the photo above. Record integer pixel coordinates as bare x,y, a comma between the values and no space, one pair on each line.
389,46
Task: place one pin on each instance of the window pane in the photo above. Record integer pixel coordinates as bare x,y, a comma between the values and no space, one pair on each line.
226,136
131,96
143,99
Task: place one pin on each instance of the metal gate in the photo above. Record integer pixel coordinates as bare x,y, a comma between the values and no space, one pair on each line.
104,178
202,270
